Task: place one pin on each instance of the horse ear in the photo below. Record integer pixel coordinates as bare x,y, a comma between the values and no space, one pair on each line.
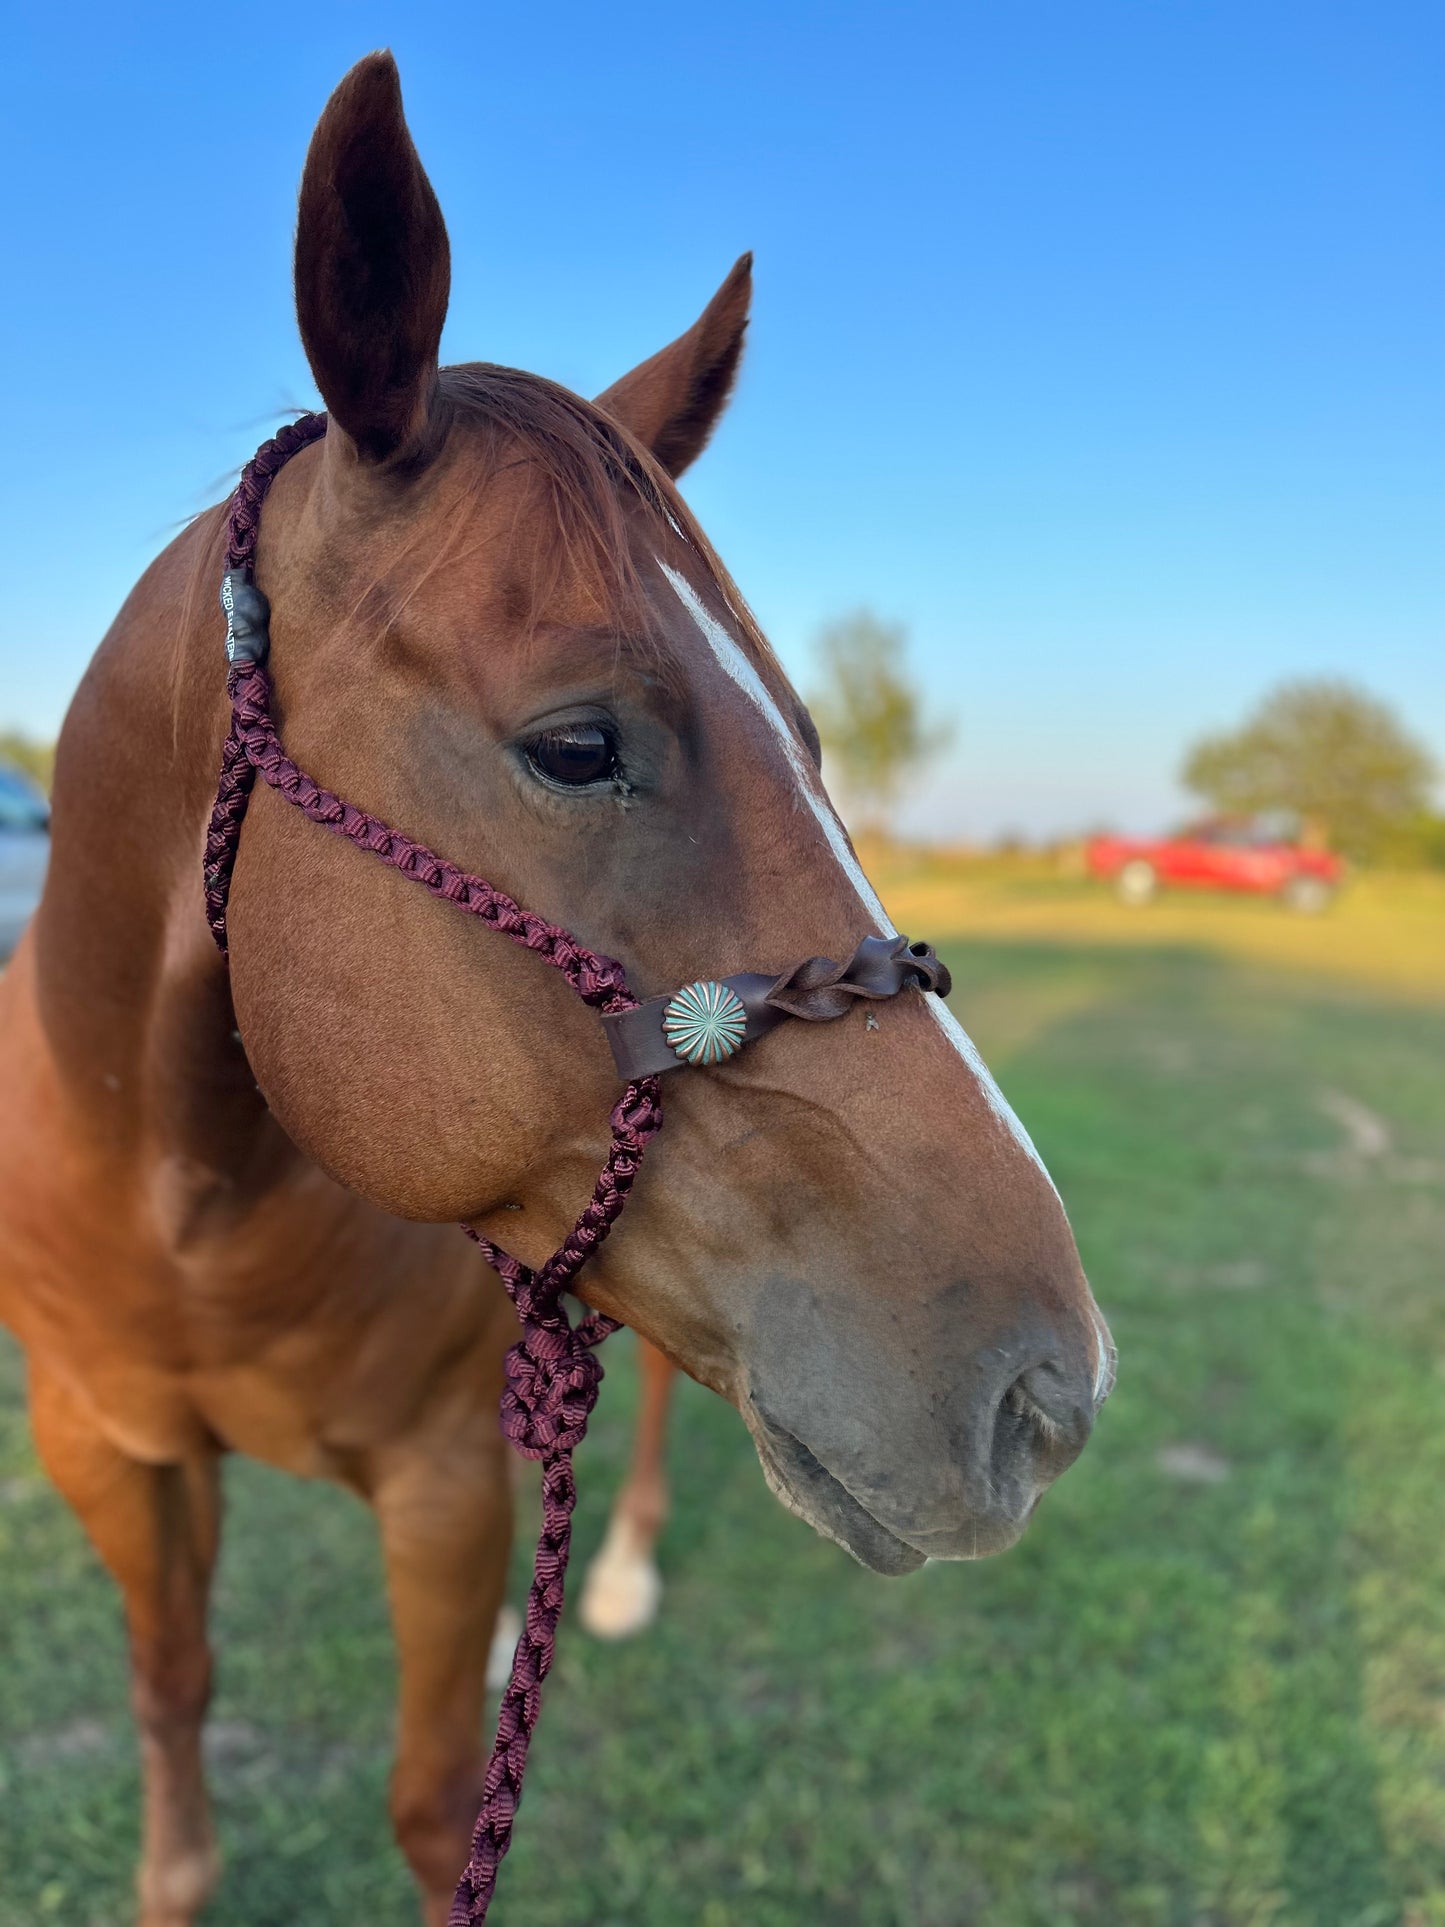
672,402
373,268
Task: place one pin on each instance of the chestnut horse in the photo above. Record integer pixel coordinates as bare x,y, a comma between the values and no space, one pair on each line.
228,1203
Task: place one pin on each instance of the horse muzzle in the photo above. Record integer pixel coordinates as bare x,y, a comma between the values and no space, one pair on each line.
954,1473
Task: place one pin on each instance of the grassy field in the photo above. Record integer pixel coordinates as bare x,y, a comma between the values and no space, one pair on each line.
1207,1691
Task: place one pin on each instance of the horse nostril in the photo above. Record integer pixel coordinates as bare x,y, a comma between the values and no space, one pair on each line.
1044,1409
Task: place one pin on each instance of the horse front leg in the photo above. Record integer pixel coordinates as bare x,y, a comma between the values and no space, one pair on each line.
444,1505
156,1527
623,1586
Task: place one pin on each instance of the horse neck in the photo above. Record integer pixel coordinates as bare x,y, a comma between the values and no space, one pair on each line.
133,997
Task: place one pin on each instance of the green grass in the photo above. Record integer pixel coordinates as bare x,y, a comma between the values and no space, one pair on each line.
1192,1702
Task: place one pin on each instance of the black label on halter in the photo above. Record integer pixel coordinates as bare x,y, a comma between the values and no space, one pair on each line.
248,618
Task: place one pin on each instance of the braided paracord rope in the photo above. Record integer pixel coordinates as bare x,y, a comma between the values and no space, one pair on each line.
552,1372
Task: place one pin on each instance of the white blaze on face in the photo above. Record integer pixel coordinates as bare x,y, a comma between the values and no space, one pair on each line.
735,664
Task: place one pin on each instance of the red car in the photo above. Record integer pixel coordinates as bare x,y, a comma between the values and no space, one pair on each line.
1263,856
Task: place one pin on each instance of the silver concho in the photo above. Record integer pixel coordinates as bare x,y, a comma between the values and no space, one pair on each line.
705,1023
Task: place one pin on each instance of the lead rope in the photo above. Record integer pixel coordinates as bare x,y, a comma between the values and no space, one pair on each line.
552,1373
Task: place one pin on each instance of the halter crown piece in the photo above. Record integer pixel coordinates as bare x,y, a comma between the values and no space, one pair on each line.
552,1372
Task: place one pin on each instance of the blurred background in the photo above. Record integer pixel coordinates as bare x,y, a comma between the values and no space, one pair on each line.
1087,470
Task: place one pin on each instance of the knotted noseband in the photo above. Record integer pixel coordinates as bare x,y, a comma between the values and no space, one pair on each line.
552,1372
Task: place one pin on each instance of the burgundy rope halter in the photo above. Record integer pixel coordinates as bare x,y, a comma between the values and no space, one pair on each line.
552,1373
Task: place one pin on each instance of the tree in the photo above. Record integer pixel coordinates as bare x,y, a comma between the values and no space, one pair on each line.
24,752
1328,751
870,714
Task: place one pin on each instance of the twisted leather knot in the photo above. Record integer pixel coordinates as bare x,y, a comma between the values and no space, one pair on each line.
818,990
553,1376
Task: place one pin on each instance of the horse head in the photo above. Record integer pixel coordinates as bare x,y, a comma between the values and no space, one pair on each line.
496,624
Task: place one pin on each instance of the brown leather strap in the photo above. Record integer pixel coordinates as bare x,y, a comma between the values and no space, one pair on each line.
817,990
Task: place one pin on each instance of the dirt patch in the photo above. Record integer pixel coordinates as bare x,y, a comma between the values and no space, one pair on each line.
82,1739
1193,1464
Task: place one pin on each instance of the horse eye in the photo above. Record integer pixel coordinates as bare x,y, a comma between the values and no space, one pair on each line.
574,755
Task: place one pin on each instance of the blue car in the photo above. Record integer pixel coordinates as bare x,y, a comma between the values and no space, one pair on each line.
24,852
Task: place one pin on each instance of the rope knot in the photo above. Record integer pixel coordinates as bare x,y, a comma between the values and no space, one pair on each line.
553,1376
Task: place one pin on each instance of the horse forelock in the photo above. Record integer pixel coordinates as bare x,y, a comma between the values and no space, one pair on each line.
599,479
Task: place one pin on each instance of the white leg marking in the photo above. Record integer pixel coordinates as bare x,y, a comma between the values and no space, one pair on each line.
735,664
504,1644
623,1587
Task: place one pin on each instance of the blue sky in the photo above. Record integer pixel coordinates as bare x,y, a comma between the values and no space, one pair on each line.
1103,344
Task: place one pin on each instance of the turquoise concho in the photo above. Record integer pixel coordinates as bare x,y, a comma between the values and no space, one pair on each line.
705,1023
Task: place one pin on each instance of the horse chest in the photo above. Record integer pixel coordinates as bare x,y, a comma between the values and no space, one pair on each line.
302,1331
